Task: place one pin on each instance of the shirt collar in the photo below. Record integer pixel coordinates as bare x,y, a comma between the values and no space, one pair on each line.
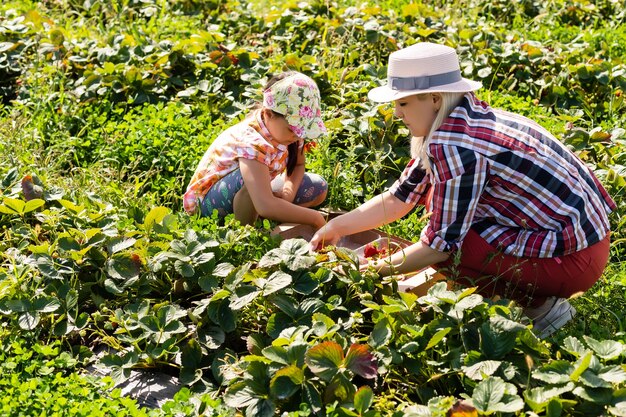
264,131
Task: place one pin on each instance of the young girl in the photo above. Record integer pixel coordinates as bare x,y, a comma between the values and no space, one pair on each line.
529,218
256,167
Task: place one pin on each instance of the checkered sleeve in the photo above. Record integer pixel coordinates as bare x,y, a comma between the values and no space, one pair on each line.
413,184
460,176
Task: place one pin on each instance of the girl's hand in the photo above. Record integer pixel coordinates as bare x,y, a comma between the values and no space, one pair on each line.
325,236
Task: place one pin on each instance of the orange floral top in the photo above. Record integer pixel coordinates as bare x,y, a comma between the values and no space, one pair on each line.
248,139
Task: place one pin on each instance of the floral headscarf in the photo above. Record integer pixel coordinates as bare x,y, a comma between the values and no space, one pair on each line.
297,98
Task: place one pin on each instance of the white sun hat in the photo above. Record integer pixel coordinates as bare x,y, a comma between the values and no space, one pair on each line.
422,68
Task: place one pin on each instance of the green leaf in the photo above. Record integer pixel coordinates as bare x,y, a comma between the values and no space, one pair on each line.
606,349
240,302
556,372
614,374
123,267
275,282
286,382
361,361
495,395
488,394
276,354
155,216
325,359
211,337
581,366
33,205
28,320
482,369
381,334
46,304
14,205
191,355
539,397
363,399
438,337
573,346
118,244
189,376
261,408
239,395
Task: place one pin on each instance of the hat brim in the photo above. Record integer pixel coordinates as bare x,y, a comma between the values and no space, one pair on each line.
385,94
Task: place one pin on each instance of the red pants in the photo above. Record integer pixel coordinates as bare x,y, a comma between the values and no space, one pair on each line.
527,280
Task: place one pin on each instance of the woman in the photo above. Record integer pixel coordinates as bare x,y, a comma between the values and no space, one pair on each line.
527,216
256,167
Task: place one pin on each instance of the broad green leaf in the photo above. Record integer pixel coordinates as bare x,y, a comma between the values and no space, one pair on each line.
276,354
381,334
118,244
482,369
539,397
495,395
191,355
275,282
304,283
591,380
33,205
211,337
261,408
123,267
363,399
155,216
361,361
286,382
437,337
286,304
581,366
601,396
488,394
14,205
184,268
573,346
614,374
241,302
46,304
28,320
340,388
325,359
239,395
556,372
189,376
71,206
606,349
496,343
272,258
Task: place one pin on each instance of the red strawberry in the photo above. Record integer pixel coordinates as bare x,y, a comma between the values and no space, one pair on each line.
370,251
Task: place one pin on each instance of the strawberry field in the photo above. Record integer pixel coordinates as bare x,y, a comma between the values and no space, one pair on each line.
105,110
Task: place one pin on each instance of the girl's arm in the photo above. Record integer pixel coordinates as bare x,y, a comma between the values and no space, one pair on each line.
382,209
257,181
293,181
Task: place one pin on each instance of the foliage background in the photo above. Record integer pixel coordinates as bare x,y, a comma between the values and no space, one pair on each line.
108,106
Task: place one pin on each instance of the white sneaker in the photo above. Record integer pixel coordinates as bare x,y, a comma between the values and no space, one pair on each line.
550,316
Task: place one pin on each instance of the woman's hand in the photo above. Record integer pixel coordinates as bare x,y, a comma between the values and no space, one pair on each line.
326,235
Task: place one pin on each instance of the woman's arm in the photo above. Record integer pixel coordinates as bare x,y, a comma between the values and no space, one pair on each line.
410,259
257,181
382,209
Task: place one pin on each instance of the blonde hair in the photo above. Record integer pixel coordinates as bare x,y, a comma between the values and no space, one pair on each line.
419,144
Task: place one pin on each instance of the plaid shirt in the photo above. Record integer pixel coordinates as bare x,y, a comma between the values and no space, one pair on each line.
248,139
509,180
